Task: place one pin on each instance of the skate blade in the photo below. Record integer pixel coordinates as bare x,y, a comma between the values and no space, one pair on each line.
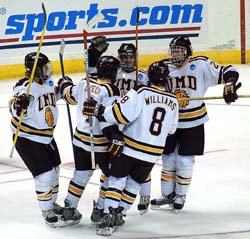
106,231
68,223
142,212
166,207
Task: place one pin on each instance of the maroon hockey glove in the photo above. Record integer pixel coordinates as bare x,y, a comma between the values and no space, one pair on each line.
93,108
230,92
21,103
116,145
64,83
97,47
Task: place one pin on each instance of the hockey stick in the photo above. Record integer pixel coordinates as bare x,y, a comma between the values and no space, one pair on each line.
136,45
61,51
211,98
30,80
94,21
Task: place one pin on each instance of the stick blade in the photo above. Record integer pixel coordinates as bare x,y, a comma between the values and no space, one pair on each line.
97,18
62,46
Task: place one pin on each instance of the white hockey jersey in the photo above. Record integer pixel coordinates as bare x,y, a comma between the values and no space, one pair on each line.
76,95
126,81
42,113
149,114
193,80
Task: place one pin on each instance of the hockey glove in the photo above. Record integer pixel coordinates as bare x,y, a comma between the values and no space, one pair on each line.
93,108
230,92
21,103
116,145
97,47
64,83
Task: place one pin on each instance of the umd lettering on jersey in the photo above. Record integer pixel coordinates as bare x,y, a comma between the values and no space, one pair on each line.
46,100
182,82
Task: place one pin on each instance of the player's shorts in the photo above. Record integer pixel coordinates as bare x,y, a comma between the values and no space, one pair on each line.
38,157
124,165
189,141
83,160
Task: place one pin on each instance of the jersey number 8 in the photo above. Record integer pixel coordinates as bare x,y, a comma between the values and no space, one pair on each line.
157,119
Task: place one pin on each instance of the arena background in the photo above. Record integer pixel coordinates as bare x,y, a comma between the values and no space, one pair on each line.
218,29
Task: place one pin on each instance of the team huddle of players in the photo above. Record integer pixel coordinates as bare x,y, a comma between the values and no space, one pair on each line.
135,120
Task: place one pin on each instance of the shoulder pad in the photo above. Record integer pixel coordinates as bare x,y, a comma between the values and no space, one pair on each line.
22,82
203,58
139,87
166,61
113,90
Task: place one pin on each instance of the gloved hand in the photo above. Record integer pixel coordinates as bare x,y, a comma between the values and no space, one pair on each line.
116,145
99,43
97,47
63,83
21,103
230,92
93,108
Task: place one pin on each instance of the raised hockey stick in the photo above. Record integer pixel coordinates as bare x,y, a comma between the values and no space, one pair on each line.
94,21
30,80
136,45
211,98
61,51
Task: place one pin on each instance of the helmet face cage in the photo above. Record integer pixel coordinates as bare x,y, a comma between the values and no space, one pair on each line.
43,68
127,56
158,73
178,55
180,50
107,67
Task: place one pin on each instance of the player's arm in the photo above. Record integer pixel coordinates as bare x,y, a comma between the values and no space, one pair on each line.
67,90
122,112
20,101
97,47
217,74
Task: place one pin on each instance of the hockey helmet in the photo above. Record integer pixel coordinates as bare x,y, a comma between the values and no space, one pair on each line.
127,56
180,50
107,67
158,73
43,68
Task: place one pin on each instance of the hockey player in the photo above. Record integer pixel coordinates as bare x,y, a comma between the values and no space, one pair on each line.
35,143
125,80
107,140
189,77
155,112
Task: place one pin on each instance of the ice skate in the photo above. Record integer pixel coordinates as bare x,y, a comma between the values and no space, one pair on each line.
110,222
51,219
58,210
179,203
143,204
163,203
70,216
97,214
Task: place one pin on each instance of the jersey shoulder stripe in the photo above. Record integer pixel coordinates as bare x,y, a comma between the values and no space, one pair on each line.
22,82
69,96
112,90
196,58
120,118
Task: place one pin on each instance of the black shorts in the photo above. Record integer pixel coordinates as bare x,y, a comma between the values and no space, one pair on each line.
190,141
83,160
124,165
39,158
